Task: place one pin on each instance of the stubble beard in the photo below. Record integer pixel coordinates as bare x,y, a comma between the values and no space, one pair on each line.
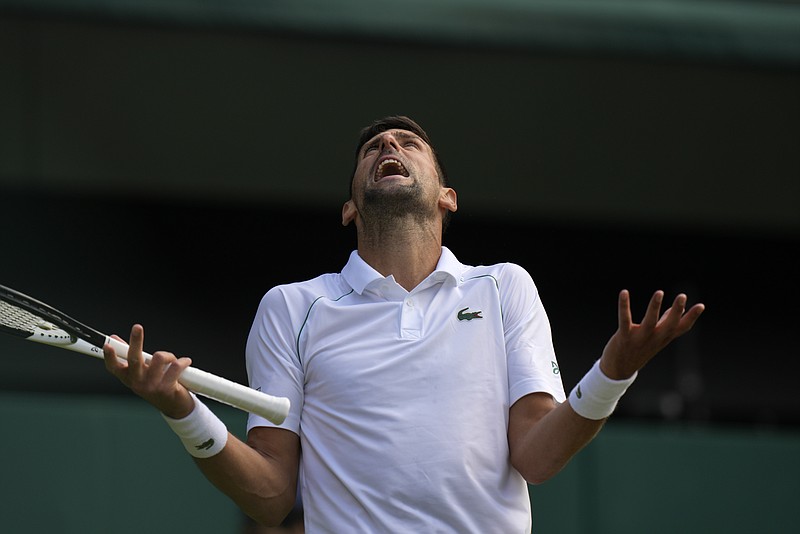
387,209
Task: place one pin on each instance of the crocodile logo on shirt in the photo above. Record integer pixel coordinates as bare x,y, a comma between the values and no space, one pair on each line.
464,315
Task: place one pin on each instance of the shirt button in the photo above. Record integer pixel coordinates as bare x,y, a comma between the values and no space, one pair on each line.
410,303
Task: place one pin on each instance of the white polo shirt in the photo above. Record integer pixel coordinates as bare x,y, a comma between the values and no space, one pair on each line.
401,398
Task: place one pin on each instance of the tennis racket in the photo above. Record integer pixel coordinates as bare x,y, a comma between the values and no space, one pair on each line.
28,318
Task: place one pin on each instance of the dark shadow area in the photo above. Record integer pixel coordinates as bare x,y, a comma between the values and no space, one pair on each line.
193,274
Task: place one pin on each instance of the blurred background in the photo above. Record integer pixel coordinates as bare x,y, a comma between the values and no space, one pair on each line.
168,162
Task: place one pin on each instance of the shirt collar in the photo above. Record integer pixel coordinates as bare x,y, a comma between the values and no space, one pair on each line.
359,274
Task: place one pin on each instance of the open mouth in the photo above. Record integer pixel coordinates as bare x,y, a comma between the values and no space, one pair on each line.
390,167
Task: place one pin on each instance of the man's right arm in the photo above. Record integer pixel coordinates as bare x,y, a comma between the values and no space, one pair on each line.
260,476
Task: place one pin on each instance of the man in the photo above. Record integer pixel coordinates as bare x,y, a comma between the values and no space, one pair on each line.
425,393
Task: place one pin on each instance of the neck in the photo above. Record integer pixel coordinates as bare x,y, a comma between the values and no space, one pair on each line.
408,254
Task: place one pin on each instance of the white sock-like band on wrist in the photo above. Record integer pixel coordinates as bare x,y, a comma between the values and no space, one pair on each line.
596,395
201,432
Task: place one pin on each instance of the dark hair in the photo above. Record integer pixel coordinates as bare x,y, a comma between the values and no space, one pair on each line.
397,122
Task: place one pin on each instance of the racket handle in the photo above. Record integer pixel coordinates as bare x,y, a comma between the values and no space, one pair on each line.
274,409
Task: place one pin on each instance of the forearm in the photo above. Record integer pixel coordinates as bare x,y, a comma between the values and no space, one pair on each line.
543,436
260,476
263,488
541,450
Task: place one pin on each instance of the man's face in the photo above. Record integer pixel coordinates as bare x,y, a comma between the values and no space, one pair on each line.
396,173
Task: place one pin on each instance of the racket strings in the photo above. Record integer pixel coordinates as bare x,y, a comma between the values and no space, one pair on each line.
22,320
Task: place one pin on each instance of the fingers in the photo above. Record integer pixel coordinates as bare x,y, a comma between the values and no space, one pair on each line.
135,357
651,316
675,321
633,345
155,378
138,369
624,311
166,368
650,319
673,314
113,364
690,317
173,372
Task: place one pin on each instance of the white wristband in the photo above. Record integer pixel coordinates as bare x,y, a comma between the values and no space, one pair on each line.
201,432
596,395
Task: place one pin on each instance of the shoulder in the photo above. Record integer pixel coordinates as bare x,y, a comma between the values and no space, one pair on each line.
514,286
300,295
506,274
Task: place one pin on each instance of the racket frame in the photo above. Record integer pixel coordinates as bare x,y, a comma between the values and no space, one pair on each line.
62,331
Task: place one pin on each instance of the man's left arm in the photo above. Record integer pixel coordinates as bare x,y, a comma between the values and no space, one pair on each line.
543,436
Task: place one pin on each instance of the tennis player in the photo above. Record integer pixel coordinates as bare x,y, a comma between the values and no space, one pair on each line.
425,393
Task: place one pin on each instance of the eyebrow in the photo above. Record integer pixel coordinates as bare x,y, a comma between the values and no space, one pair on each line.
403,134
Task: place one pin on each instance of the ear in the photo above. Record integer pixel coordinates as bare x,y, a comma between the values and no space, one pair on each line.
448,200
349,212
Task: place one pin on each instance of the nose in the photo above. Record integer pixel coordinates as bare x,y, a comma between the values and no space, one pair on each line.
388,140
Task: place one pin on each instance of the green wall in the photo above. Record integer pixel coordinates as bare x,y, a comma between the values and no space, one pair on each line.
99,464
103,464
91,106
639,479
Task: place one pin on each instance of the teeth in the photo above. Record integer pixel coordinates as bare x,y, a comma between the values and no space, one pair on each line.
390,161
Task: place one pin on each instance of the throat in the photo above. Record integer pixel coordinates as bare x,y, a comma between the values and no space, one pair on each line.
409,263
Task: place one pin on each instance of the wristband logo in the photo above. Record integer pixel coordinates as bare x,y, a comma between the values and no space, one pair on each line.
578,392
206,445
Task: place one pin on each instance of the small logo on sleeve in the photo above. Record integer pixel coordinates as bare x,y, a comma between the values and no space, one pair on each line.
464,315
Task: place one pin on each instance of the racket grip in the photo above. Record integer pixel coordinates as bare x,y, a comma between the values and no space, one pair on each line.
274,409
